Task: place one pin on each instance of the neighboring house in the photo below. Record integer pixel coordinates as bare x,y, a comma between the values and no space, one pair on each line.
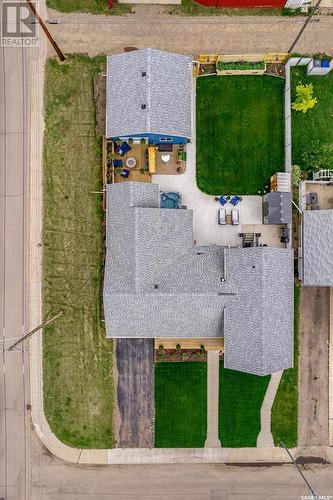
148,96
316,247
159,284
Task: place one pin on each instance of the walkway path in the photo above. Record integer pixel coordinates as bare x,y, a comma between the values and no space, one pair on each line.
265,438
213,372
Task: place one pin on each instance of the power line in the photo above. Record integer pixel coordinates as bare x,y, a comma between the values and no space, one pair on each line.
308,19
313,494
46,31
47,322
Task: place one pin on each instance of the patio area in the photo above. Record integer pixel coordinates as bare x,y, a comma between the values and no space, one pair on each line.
135,161
141,161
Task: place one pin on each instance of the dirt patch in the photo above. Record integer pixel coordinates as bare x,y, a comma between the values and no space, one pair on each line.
100,100
276,69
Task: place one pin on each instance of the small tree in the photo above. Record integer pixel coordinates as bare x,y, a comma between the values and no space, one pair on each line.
304,99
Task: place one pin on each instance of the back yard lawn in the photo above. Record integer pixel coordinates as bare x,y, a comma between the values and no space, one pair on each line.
77,358
285,407
180,405
314,129
240,400
240,133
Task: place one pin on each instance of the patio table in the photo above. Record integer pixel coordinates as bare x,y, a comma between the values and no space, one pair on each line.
130,162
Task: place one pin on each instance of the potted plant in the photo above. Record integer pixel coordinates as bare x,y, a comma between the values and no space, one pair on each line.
143,141
130,140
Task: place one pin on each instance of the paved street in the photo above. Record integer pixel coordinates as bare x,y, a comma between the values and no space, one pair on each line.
313,367
14,148
188,35
52,480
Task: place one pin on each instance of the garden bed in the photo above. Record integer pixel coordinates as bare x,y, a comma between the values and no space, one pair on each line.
276,69
182,355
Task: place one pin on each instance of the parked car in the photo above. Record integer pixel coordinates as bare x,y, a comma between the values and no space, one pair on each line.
222,216
235,216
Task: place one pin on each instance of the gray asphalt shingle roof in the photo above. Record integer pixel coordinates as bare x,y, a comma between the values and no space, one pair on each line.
165,90
159,284
318,247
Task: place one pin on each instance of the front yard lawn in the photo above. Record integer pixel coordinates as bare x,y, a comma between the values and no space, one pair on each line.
240,400
285,407
240,133
180,404
313,129
77,358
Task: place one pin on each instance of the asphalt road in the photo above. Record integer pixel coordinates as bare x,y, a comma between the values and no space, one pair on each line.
14,150
149,27
52,480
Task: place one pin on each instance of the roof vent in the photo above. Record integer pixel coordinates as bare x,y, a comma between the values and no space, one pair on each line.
143,106
223,280
156,286
143,74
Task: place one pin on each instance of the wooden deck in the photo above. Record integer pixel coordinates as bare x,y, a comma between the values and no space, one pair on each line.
137,174
211,344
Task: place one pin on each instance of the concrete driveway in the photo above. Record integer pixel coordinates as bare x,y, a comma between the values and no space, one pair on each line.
205,207
313,367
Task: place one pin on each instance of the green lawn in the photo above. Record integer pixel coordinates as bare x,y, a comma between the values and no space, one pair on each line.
240,400
180,405
77,358
240,133
91,6
313,129
285,407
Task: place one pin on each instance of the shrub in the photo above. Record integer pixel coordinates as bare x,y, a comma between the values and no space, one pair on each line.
304,98
317,156
178,347
296,175
202,348
185,356
130,140
161,347
143,141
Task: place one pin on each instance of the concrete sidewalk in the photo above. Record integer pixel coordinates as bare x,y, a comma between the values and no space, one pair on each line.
213,374
265,438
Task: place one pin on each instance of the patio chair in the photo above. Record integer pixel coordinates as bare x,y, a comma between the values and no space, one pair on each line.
124,148
117,163
125,173
223,200
235,200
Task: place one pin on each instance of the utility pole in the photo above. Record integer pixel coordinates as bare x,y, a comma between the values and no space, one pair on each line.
312,493
46,31
308,19
47,322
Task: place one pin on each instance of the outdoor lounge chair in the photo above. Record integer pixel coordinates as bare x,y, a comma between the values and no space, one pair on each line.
223,200
125,173
235,216
235,200
124,148
117,163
